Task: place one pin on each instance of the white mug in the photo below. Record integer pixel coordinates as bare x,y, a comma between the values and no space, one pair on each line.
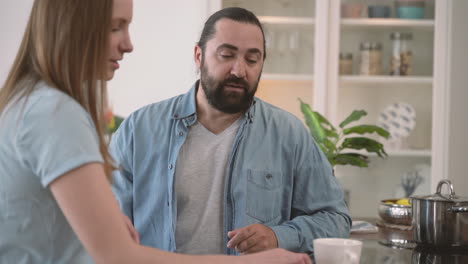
337,251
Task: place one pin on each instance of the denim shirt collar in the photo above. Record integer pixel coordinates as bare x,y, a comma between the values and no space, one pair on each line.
187,106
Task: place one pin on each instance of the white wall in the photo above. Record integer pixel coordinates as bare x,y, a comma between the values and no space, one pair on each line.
161,66
164,34
458,135
13,18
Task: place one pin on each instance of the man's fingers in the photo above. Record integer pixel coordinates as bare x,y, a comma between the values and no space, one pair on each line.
246,245
241,235
232,233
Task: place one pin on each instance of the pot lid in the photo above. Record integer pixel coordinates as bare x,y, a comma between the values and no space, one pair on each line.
438,196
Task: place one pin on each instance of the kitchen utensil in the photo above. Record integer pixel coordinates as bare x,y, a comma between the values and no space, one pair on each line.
393,213
399,119
337,251
351,10
378,11
409,9
440,219
410,181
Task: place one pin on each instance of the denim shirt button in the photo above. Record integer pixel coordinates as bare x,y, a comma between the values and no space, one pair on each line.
170,166
176,116
181,133
191,118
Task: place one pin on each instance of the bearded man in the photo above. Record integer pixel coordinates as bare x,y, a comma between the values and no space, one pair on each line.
219,171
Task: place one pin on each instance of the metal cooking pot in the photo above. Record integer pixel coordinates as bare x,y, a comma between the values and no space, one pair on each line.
440,219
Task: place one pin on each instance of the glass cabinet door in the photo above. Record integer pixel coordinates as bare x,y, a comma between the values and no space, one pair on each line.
384,59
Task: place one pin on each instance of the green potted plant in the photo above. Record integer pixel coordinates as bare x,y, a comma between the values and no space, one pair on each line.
112,122
344,145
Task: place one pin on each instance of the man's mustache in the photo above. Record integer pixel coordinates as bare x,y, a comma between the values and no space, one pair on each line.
236,81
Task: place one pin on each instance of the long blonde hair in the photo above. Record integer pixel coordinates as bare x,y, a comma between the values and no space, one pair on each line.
66,45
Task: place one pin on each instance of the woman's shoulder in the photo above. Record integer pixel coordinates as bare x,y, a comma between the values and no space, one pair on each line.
46,101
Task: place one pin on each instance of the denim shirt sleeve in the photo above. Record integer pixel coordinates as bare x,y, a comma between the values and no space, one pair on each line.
121,150
318,208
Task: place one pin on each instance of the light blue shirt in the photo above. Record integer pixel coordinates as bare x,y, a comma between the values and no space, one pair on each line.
276,175
40,140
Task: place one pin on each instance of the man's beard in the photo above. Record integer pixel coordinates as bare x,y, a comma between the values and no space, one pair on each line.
226,101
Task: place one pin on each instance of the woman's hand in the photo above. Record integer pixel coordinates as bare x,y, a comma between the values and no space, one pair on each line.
131,229
279,256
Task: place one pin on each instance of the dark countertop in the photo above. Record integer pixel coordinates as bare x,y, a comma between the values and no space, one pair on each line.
377,248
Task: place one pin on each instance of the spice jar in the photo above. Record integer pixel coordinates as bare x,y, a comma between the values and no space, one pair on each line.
346,63
400,62
371,58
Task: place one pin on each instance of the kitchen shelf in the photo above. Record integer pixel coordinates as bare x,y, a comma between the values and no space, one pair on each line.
283,20
410,153
379,23
287,77
420,153
385,80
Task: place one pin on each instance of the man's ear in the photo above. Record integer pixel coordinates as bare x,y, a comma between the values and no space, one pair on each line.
197,55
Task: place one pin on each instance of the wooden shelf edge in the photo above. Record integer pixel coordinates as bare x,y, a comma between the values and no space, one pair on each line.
358,79
287,77
423,153
387,22
283,20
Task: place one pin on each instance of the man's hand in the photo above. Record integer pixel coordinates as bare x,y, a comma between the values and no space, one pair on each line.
131,229
252,238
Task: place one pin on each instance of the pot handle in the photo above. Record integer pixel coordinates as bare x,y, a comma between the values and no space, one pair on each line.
459,209
449,184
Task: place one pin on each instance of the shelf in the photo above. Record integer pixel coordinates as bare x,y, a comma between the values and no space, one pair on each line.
423,153
427,24
409,153
282,20
287,77
385,80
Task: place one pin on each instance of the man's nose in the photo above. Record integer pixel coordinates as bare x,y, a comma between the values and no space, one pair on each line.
239,69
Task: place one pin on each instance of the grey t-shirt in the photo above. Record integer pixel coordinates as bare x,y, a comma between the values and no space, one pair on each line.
199,187
40,140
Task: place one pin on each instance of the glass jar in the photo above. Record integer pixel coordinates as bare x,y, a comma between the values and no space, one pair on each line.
371,58
346,63
400,62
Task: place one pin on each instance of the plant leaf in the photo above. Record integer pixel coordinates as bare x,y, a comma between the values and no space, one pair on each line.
364,143
362,129
354,116
324,121
313,123
331,133
354,159
116,121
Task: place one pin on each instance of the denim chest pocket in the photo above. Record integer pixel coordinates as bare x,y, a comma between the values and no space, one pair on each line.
263,195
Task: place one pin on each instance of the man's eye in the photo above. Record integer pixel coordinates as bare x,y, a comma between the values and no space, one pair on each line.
252,60
115,29
227,55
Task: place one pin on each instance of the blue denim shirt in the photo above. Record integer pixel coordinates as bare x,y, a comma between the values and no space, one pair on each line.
276,175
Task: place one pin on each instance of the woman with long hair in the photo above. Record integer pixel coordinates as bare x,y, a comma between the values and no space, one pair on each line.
56,203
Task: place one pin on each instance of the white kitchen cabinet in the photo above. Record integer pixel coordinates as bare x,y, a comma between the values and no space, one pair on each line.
309,69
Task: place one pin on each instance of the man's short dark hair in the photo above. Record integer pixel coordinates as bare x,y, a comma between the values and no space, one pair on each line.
234,13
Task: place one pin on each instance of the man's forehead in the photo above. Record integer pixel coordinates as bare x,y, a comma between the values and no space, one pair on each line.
237,33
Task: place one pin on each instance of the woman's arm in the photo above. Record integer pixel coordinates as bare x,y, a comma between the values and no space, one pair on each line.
86,199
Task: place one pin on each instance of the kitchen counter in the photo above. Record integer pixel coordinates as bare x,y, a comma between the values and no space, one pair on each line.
378,248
